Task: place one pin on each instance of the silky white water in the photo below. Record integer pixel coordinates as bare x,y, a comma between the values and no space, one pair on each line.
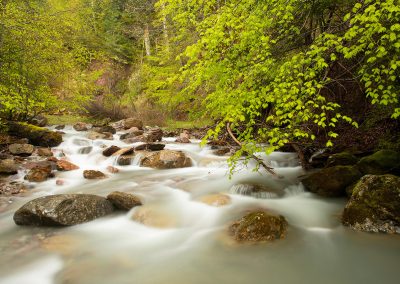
189,243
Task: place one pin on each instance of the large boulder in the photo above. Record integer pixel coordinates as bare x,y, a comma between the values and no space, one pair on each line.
123,200
166,159
381,162
132,122
8,166
374,205
21,149
258,226
62,210
332,182
37,136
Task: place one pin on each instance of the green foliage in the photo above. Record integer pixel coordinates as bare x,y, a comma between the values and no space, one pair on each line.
265,67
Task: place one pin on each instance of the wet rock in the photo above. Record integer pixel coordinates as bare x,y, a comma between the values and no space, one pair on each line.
332,182
39,120
81,126
21,149
63,165
40,173
95,135
63,210
125,160
154,135
123,200
111,150
132,122
184,137
44,152
37,136
91,174
258,226
342,159
150,147
256,190
131,134
216,200
112,170
12,188
60,127
104,129
381,162
166,159
124,151
8,166
85,150
374,205
222,151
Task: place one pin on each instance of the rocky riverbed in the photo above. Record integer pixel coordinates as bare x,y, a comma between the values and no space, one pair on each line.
121,201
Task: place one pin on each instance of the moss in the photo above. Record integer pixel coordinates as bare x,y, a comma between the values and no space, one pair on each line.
342,159
381,162
37,135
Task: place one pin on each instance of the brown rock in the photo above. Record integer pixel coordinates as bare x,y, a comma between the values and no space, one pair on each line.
154,216
215,199
125,160
81,126
21,149
63,165
12,188
166,159
39,173
112,170
123,200
150,147
258,226
105,135
132,122
91,174
44,152
111,150
124,151
8,166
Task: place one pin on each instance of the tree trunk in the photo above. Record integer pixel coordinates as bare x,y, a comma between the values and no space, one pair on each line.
146,36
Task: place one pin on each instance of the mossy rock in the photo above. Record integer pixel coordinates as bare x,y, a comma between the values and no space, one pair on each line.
342,159
36,135
259,226
374,205
381,162
332,182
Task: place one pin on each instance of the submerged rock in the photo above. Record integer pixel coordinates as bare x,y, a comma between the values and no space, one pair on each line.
63,165
155,216
104,129
91,174
256,190
37,136
104,135
381,162
62,210
166,159
258,226
8,166
374,205
21,149
123,200
332,182
125,160
216,200
12,188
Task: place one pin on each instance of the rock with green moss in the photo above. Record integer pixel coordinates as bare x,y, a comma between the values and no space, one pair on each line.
258,226
381,162
37,136
332,182
374,205
342,159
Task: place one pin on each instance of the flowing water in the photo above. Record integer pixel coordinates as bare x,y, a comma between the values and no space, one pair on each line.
183,241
